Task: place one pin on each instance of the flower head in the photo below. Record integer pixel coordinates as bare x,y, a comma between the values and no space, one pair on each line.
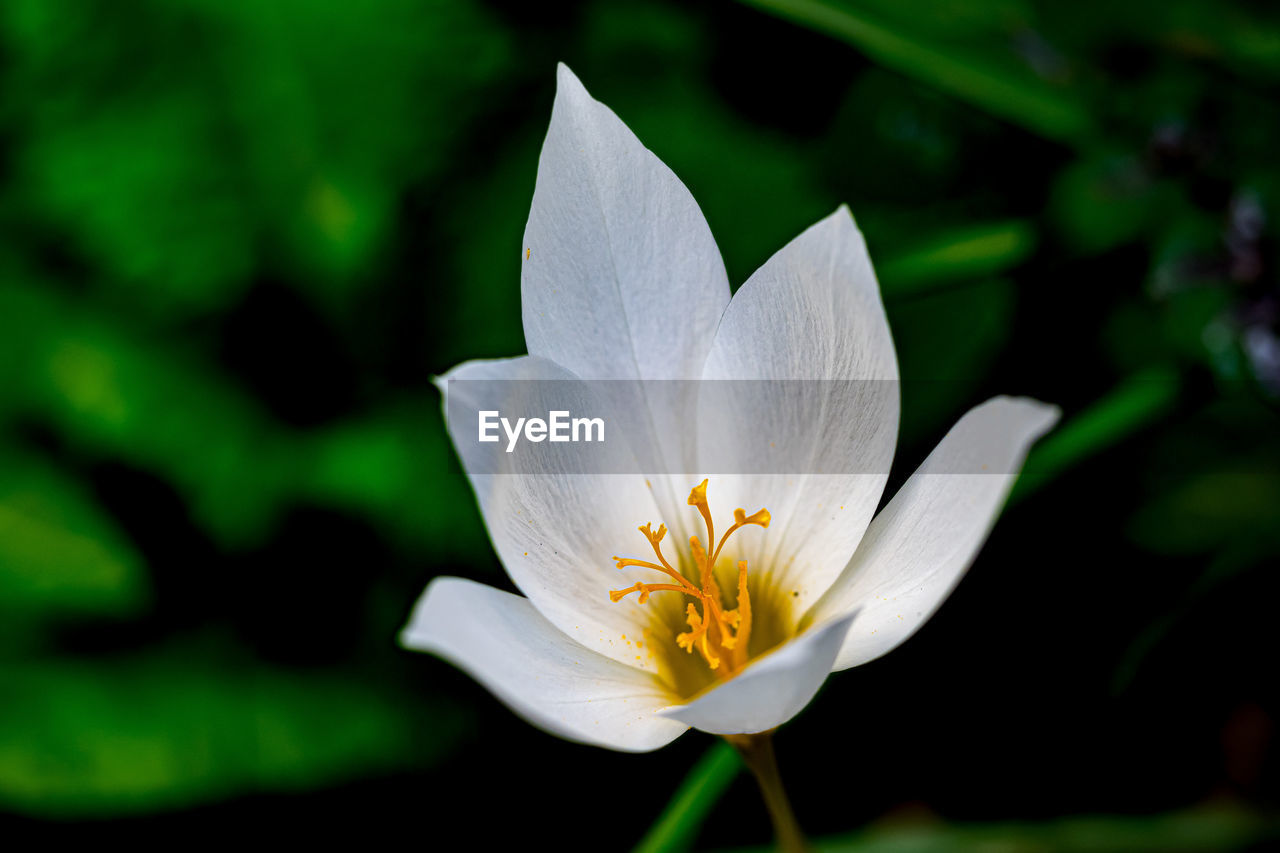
626,645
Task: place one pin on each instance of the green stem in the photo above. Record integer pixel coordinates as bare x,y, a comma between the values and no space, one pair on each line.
757,751
680,821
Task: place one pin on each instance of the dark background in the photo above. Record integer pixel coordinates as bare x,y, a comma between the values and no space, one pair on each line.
239,237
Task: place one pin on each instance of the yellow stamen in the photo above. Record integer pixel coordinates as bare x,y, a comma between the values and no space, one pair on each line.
743,613
720,635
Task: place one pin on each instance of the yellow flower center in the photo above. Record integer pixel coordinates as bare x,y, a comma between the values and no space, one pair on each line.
719,634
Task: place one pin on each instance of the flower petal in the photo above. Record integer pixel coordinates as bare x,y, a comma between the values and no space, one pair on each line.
503,642
919,546
813,443
772,689
554,524
622,278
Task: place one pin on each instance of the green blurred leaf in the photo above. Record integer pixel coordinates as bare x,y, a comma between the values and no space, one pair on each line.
972,251
1011,93
240,133
1134,404
130,398
146,404
1210,511
331,143
955,19
1244,37
169,731
946,341
1235,559
59,553
1100,203
398,467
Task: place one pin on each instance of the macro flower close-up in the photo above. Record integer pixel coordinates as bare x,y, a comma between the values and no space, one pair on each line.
639,425
626,641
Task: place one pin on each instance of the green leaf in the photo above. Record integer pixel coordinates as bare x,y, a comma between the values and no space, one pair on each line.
122,395
1100,203
1234,560
1134,404
1210,511
946,342
1015,95
180,147
167,731
59,553
126,397
398,466
973,251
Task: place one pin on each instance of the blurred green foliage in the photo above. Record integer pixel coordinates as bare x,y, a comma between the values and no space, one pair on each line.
186,144
171,154
238,239
86,739
1188,832
59,552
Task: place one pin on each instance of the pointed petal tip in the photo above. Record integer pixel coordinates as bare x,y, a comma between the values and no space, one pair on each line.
566,80
842,218
845,213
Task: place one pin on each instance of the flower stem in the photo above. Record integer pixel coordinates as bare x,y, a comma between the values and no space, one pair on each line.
757,752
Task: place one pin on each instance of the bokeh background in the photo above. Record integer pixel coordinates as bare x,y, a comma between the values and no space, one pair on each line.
239,237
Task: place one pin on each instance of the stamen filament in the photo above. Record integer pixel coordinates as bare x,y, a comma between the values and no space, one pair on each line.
644,589
721,636
744,615
624,562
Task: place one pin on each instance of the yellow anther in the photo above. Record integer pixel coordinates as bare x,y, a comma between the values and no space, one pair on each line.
616,595
700,559
718,634
687,640
654,538
743,613
698,498
741,519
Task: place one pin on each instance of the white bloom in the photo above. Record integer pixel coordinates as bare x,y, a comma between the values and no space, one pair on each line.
621,279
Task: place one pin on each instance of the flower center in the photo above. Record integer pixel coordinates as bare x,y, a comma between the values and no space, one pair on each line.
719,634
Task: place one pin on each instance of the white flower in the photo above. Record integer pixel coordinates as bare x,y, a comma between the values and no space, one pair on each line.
621,279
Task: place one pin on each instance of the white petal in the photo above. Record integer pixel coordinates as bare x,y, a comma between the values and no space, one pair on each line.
622,278
555,525
772,689
812,312
920,545
504,643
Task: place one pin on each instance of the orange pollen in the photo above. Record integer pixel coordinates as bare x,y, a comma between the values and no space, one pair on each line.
719,635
